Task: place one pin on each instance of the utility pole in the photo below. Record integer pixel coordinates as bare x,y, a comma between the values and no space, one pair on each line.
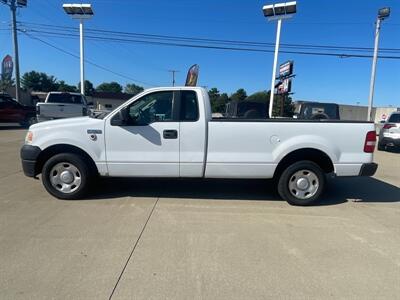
173,76
14,4
383,13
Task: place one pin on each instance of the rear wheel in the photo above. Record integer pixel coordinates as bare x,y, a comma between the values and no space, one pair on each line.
66,176
301,183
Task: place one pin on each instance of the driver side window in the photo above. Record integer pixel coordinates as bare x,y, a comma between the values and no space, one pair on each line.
155,107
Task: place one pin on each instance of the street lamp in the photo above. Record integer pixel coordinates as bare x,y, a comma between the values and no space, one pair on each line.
383,13
278,12
81,12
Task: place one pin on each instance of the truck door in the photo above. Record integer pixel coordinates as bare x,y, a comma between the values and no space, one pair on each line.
192,134
148,144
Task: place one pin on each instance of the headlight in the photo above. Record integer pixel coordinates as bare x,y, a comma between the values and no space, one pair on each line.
29,137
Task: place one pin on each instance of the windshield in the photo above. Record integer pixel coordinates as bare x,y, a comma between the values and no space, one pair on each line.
99,114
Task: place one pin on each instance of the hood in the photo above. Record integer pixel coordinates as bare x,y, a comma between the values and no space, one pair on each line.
69,122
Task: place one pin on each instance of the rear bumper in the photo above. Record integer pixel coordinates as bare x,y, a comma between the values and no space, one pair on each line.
389,141
29,155
368,169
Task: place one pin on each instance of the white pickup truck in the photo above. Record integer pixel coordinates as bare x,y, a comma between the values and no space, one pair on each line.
170,132
59,105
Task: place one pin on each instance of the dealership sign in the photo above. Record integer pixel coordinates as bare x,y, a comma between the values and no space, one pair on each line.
286,69
285,86
7,67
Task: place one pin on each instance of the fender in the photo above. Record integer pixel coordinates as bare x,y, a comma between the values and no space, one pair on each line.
306,141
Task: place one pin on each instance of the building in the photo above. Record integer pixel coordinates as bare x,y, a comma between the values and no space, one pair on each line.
108,100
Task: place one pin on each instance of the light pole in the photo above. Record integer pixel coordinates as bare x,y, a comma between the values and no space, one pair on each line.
278,12
81,12
14,4
383,13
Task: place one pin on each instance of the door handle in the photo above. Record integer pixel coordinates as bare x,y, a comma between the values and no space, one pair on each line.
170,134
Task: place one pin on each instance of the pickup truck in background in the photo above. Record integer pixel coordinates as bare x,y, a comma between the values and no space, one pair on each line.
13,112
316,111
170,132
60,105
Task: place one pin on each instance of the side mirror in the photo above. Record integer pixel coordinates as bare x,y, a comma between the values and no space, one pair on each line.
120,119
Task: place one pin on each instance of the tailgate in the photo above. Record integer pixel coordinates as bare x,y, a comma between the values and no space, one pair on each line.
59,110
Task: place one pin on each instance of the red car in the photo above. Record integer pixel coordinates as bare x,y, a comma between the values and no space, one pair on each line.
13,112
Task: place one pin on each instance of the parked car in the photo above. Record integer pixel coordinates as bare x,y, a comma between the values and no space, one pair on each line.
59,105
13,112
317,111
389,135
170,132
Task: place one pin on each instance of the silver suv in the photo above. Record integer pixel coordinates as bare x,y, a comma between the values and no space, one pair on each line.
390,132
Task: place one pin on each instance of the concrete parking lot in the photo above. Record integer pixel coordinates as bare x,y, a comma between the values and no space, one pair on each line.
192,239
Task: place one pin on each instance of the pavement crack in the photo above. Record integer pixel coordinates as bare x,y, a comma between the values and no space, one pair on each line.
133,249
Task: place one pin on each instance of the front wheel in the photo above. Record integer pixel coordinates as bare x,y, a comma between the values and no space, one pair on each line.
301,183
66,176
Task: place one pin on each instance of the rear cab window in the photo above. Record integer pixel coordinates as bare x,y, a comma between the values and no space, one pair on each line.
65,98
189,110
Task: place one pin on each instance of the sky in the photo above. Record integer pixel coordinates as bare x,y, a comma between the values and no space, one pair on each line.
317,22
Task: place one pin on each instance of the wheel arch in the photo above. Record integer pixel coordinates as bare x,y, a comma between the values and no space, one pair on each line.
315,155
63,148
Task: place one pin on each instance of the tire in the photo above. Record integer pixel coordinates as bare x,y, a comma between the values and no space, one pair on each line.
66,176
30,120
301,183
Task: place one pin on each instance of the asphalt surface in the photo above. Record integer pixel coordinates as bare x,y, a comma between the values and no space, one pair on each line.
193,239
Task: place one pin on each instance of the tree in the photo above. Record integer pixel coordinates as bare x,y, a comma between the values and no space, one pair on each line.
113,87
264,96
40,82
221,103
239,95
5,83
89,88
64,87
214,95
133,89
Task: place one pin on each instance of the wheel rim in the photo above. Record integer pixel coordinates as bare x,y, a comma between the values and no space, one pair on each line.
303,184
65,177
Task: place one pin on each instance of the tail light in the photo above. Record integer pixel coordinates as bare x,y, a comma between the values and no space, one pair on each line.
388,126
370,142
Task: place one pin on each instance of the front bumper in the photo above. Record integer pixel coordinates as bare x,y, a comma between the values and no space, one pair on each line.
29,156
368,169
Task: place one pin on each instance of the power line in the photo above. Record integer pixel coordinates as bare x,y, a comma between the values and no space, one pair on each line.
202,40
88,61
186,45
